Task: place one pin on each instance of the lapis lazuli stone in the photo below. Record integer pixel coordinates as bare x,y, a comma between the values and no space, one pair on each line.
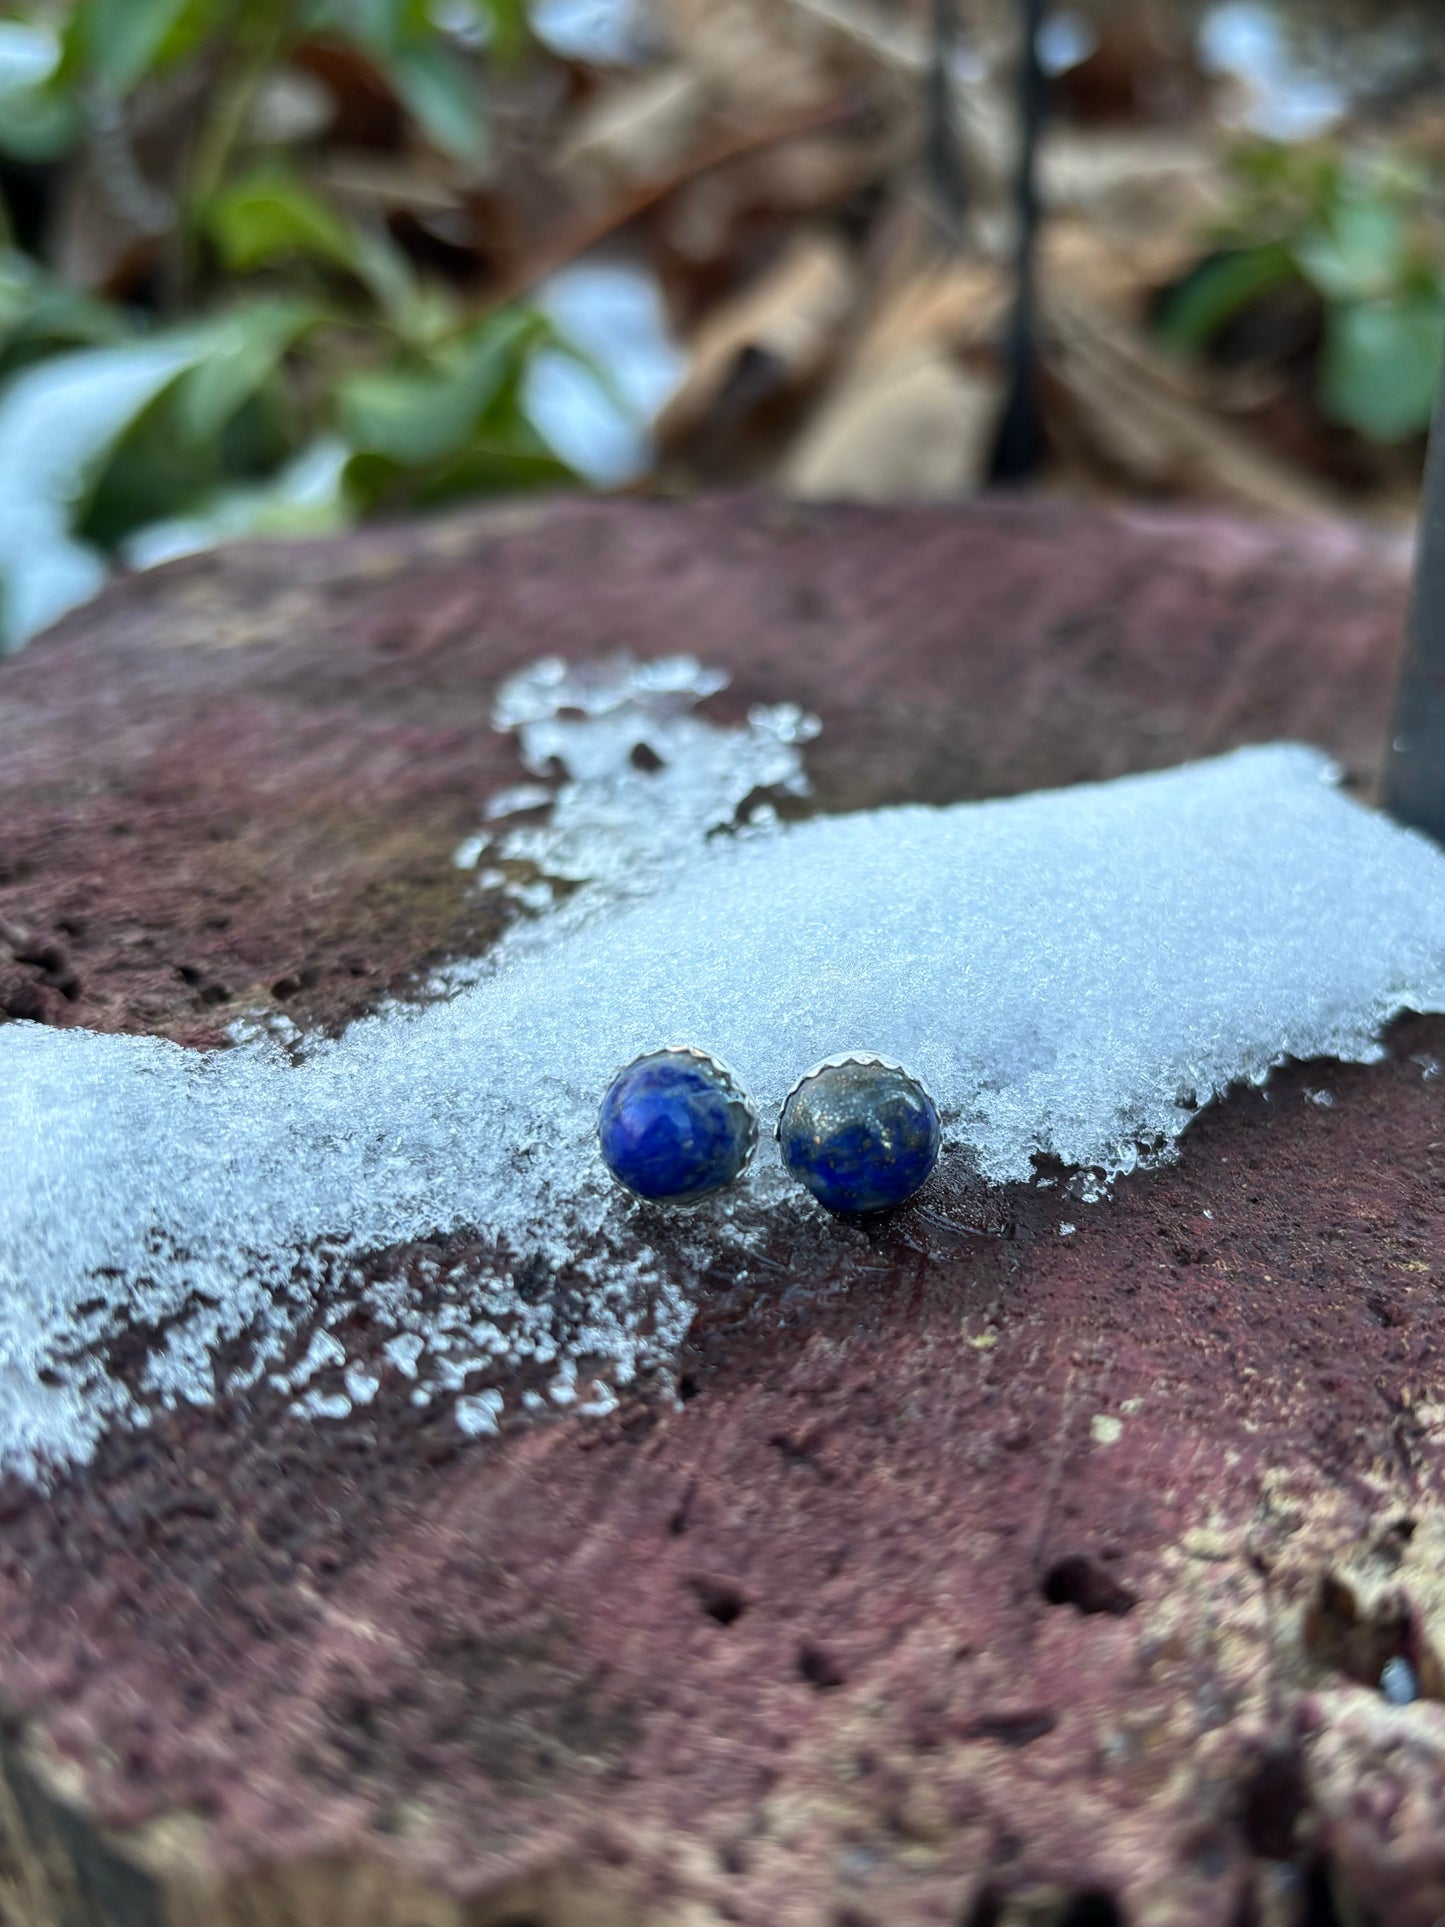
860,1133
675,1126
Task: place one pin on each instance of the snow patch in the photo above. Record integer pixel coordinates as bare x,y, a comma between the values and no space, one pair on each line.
1073,973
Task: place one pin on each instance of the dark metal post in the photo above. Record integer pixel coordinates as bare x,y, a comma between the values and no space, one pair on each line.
1020,439
945,153
1415,756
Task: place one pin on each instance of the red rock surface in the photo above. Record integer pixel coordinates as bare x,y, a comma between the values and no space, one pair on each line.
1005,1578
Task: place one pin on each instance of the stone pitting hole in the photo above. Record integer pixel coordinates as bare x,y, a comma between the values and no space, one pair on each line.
1083,1582
1020,1728
1317,1896
986,1910
1272,1799
720,1599
295,982
1092,1907
819,1668
1360,1636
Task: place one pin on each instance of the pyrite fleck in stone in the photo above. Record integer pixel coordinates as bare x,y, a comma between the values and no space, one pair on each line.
859,1132
676,1126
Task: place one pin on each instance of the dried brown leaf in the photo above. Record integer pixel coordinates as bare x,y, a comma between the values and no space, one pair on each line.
1145,419
758,57
638,130
916,427
955,305
791,318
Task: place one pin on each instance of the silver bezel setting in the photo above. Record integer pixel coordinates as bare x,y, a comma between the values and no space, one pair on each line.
873,1057
739,1096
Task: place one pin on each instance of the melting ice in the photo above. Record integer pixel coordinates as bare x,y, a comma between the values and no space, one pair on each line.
1074,973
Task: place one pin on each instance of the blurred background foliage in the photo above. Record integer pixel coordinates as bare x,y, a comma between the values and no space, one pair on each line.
273,266
262,357
1360,235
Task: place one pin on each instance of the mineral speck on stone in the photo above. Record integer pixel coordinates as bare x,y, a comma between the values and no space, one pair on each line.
1397,1682
1073,974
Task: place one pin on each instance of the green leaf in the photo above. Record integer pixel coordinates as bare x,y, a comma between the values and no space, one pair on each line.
1381,364
458,427
38,315
157,471
38,120
411,419
511,25
442,93
59,424
1361,254
376,483
1218,290
417,418
380,23
411,307
123,38
224,420
307,497
30,54
248,347
439,87
270,216
38,125
492,468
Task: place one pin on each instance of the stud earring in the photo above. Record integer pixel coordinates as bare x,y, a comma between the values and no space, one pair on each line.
675,1126
859,1132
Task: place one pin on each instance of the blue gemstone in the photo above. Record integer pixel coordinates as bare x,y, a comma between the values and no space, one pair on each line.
859,1133
675,1126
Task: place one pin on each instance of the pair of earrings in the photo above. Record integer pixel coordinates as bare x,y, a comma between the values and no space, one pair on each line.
858,1131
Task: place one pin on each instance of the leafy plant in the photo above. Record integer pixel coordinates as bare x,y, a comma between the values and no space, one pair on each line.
1363,232
290,364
